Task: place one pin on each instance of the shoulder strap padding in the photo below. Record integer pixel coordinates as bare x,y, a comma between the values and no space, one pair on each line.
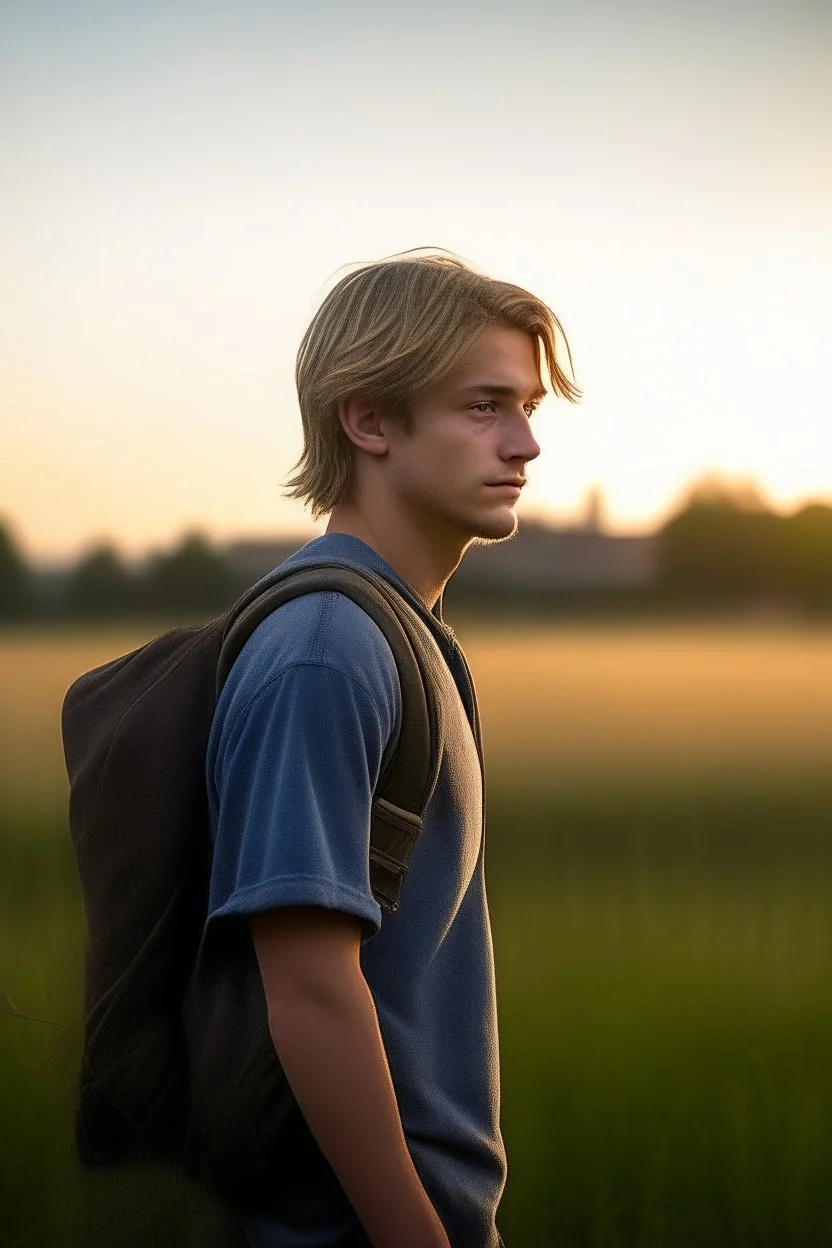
405,788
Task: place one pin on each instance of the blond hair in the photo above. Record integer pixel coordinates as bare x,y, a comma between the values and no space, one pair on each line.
389,330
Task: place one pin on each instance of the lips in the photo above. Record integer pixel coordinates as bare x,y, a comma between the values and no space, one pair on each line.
509,491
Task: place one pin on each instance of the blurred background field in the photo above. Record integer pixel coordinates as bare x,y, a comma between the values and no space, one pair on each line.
184,183
660,865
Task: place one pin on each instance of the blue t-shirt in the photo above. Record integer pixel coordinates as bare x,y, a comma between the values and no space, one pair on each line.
310,712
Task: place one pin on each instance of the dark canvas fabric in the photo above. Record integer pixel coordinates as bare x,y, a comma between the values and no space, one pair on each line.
135,734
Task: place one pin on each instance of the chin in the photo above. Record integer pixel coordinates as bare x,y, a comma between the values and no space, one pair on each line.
495,528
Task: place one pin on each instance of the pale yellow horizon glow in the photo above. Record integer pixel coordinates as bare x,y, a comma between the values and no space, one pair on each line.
166,249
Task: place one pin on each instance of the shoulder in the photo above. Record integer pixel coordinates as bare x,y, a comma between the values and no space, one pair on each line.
318,633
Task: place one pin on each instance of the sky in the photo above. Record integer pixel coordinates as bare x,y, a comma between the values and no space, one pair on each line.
183,182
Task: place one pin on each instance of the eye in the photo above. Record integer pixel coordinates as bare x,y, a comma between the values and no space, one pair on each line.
485,406
532,406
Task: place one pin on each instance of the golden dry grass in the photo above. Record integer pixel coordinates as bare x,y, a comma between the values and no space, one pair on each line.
644,701
556,702
36,669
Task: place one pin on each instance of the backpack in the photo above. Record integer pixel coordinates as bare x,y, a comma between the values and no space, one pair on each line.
169,1072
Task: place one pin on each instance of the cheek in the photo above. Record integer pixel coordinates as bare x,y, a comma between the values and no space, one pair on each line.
459,442
444,451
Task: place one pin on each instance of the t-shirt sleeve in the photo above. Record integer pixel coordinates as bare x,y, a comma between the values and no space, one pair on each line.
294,774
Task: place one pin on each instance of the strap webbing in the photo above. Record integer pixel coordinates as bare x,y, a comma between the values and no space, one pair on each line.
405,787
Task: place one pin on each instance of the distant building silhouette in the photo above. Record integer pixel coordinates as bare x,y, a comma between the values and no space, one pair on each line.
593,511
544,558
253,559
539,558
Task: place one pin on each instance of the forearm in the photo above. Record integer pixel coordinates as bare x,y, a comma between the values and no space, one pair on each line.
328,1040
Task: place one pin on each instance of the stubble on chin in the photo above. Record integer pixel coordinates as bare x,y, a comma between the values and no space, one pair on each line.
492,534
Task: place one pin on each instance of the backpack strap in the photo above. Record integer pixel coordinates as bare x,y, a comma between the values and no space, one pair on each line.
408,780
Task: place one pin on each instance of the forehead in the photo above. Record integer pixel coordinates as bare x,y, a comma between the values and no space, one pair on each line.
499,356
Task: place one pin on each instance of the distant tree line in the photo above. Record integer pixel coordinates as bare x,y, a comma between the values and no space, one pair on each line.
191,580
723,547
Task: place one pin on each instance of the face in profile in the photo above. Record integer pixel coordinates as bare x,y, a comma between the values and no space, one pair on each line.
461,464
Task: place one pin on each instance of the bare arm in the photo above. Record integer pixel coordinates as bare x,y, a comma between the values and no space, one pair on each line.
325,1029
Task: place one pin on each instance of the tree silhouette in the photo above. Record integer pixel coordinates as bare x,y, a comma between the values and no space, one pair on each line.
807,555
17,597
192,579
723,546
100,585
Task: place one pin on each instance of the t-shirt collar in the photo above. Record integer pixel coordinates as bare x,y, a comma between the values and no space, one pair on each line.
356,551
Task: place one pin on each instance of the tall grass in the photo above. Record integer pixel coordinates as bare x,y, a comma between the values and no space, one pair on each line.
660,864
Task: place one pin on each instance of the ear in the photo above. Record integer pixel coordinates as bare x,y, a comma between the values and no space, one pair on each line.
364,425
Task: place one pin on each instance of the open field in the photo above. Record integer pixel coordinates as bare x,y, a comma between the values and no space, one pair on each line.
568,703
660,854
558,703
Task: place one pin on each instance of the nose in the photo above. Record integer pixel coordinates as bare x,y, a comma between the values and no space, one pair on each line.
520,441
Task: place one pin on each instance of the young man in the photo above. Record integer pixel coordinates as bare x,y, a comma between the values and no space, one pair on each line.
417,379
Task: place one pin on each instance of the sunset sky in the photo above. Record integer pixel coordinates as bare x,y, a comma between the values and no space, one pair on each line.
183,181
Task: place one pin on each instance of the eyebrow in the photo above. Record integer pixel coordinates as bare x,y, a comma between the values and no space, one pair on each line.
495,390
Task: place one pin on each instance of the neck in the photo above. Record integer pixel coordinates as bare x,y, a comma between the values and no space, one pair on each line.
424,559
